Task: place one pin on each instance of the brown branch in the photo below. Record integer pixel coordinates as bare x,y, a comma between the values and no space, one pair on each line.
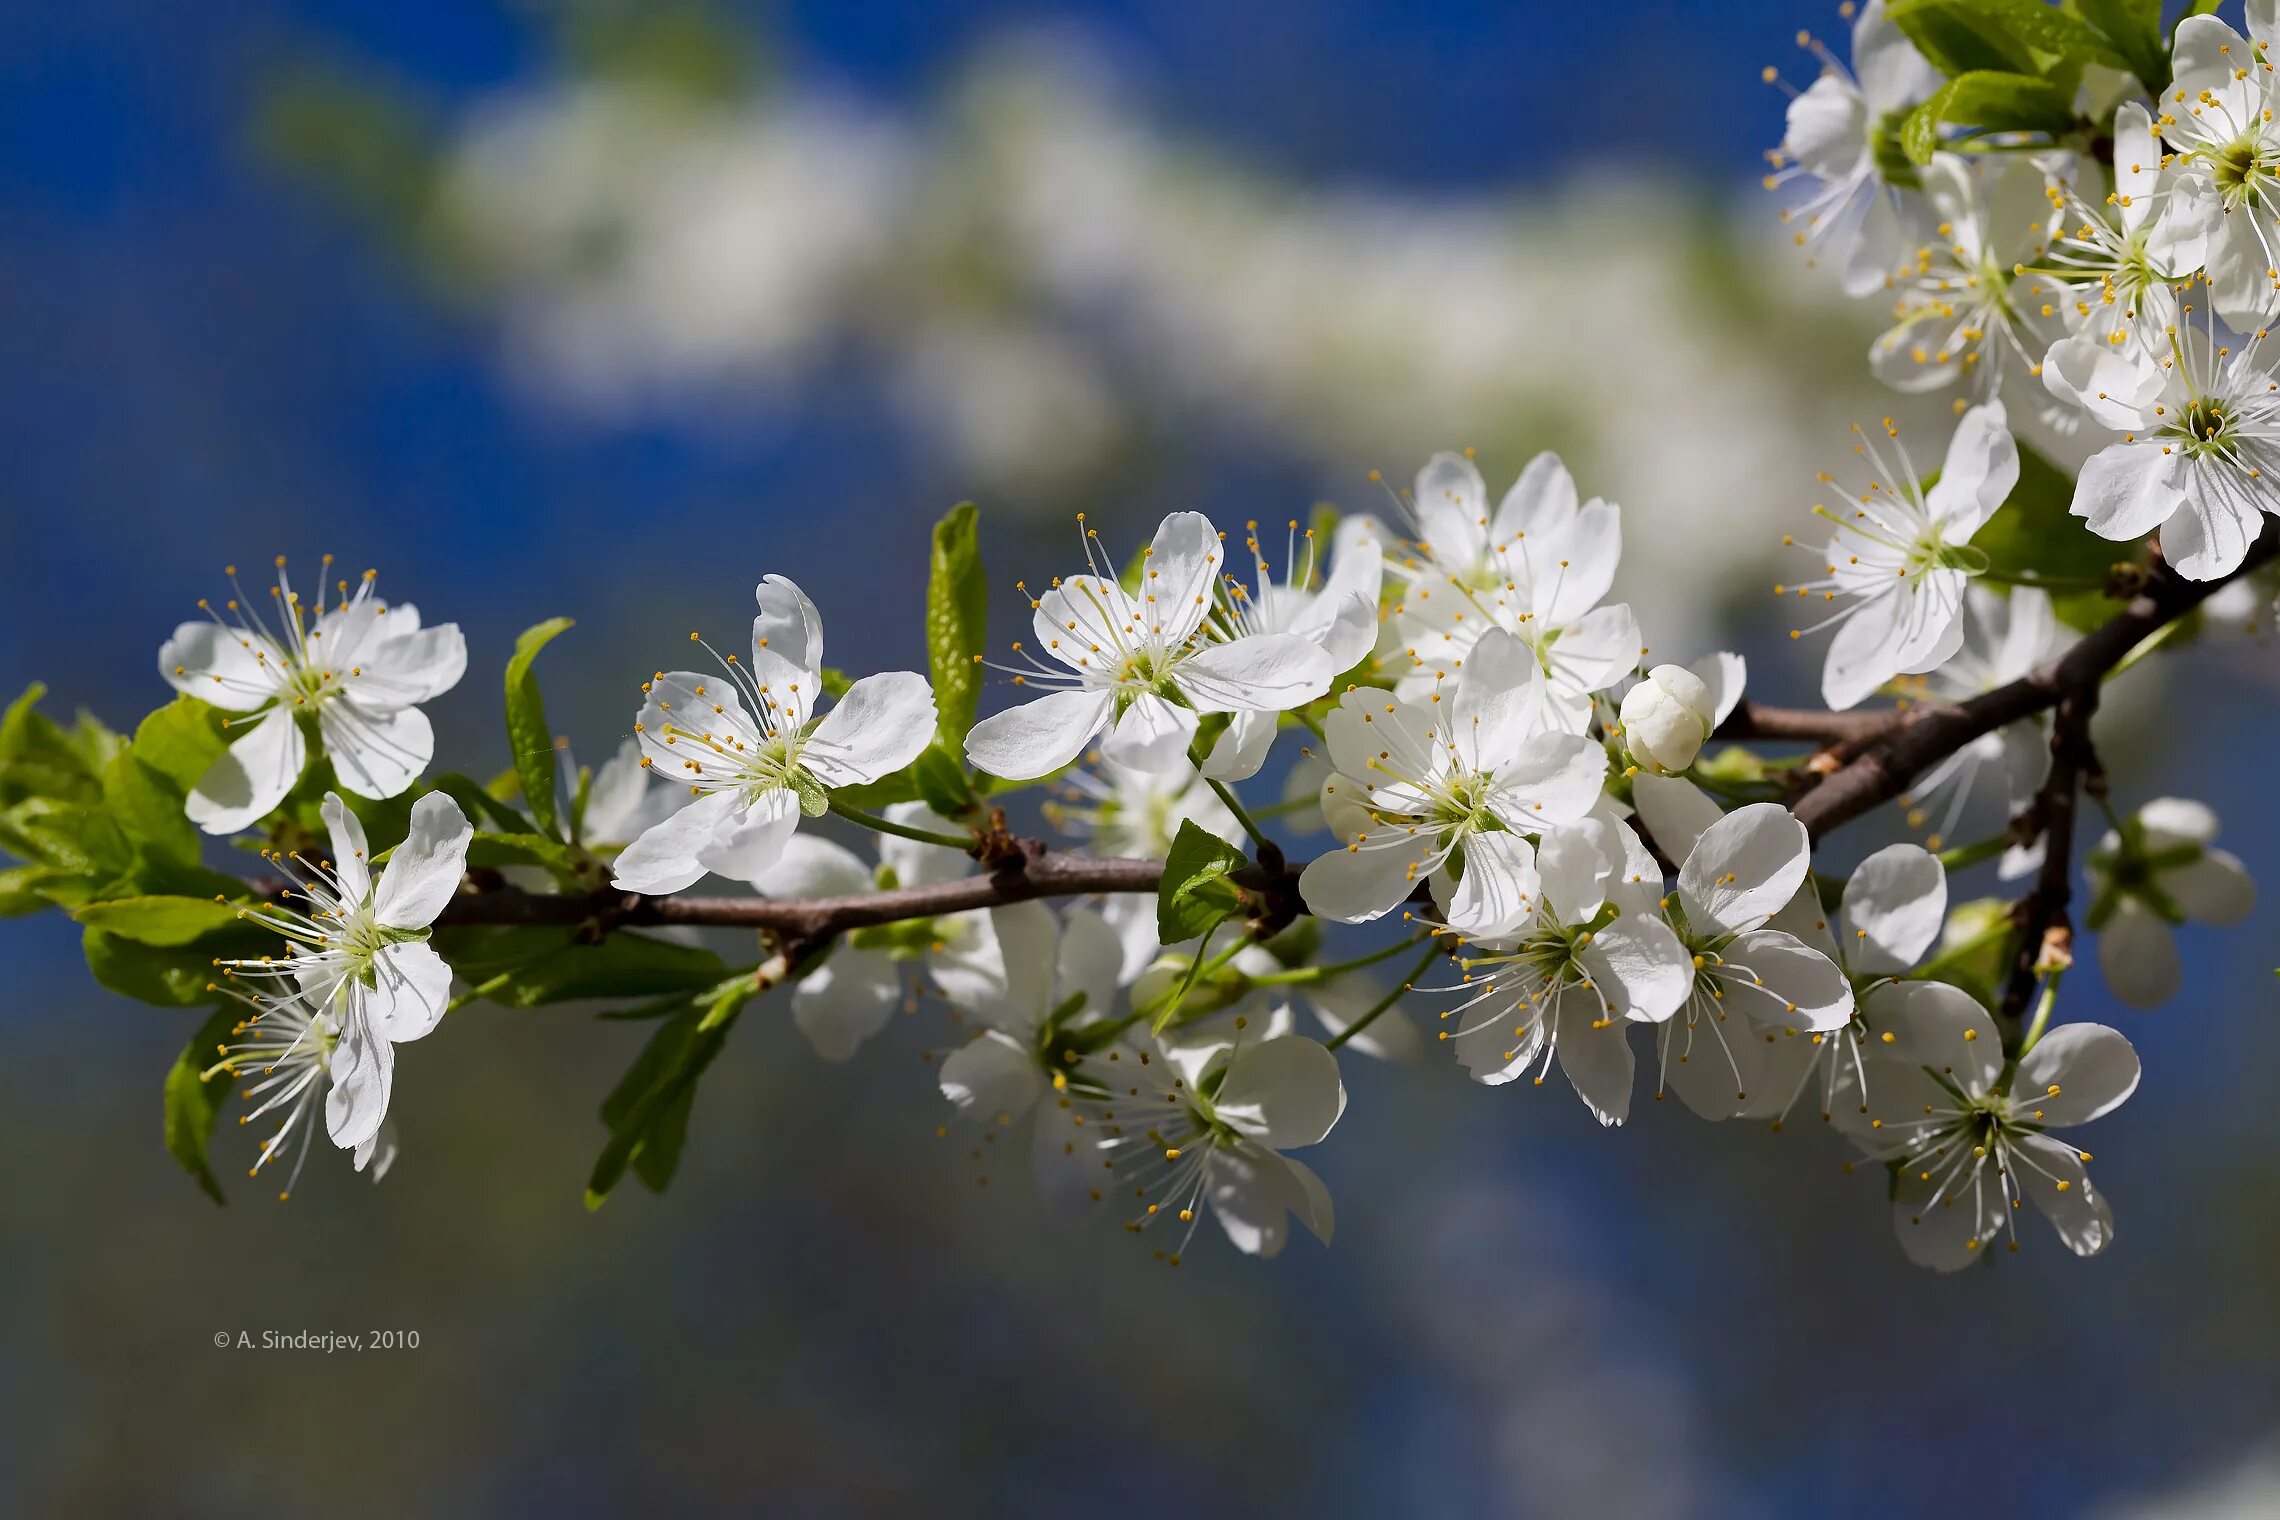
1756,720
2046,933
1923,736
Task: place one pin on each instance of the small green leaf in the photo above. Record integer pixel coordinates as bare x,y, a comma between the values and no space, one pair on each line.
148,806
1195,895
1920,131
181,741
168,921
546,964
488,849
2133,29
2007,102
193,1104
648,1111
39,758
942,784
2035,538
167,976
531,741
957,622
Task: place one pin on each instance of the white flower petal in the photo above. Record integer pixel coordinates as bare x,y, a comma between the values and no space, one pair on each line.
882,724
1269,672
2050,1172
752,839
2093,1069
411,989
1676,812
363,1072
848,999
1981,468
2129,489
2138,954
1152,735
992,1075
787,625
1089,959
1595,1053
2215,889
1499,892
425,869
1241,747
247,780
1282,1092
1038,738
351,851
232,670
812,866
1746,866
1639,964
1895,902
1935,1026
1452,510
375,752
1806,989
665,858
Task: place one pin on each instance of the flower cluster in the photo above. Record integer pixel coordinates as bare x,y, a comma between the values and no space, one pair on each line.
1577,856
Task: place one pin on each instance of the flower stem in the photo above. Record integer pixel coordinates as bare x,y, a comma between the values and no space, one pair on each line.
1972,854
1383,1003
1258,836
878,825
1306,975
2043,1007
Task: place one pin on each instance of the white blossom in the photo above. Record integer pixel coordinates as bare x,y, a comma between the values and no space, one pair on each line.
1169,1129
2199,458
747,746
354,672
2004,640
284,1054
1842,135
1751,982
1971,312
1340,614
1968,1139
358,953
1565,977
2218,115
1538,569
2160,869
1893,906
2122,270
1475,769
1141,665
1056,991
1667,717
1901,557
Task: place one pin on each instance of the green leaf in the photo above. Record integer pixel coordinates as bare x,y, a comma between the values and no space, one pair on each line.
2007,102
170,921
648,1111
2133,29
148,806
1195,896
871,796
38,758
193,1104
180,741
530,740
79,837
2035,538
1920,130
814,800
34,889
477,802
516,849
167,976
942,784
957,622
545,964
2008,36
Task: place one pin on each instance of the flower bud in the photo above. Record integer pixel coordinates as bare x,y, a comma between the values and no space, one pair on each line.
1666,718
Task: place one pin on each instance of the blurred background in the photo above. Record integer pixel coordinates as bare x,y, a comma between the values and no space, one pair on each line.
607,309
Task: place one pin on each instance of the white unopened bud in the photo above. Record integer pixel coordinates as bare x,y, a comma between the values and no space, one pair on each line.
1666,718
